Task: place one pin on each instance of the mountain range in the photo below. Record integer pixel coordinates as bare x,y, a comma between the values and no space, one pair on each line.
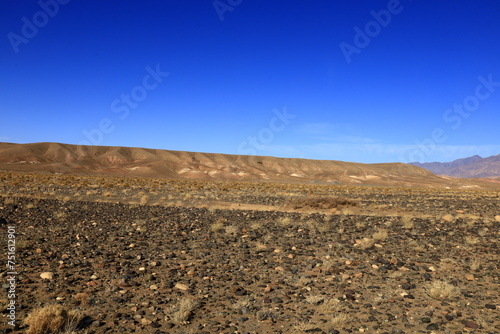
471,167
155,163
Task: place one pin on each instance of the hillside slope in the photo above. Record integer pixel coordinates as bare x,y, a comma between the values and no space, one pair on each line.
129,161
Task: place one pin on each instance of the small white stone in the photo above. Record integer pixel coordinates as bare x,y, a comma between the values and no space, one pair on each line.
47,275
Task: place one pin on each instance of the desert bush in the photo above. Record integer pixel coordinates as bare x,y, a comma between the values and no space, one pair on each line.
380,235
52,319
217,226
82,298
442,290
339,320
320,202
265,314
471,240
232,229
331,305
284,221
314,299
407,222
183,310
365,243
144,199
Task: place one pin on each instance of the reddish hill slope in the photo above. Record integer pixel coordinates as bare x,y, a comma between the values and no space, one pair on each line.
129,161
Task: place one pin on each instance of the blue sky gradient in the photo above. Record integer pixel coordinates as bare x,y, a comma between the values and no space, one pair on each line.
378,81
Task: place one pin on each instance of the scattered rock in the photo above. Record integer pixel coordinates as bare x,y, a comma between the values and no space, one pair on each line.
471,324
432,327
47,275
182,287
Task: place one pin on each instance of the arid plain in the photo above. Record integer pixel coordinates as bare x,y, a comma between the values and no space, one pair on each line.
123,254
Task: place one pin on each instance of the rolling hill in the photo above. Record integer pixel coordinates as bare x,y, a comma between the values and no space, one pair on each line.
142,162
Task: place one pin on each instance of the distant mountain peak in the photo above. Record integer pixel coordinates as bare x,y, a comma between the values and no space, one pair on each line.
470,167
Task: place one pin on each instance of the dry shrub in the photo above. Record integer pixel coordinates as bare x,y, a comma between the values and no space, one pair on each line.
243,302
52,319
285,221
314,299
339,320
407,222
183,310
331,305
82,298
303,327
441,290
380,235
471,240
231,229
217,226
365,243
475,264
320,202
144,199
265,314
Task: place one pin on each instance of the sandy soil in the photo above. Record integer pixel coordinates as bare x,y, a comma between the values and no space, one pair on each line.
160,256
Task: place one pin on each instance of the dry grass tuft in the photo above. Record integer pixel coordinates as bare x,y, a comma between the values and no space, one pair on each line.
243,302
144,199
339,320
380,235
183,310
303,326
265,314
232,229
320,202
284,221
475,264
217,226
407,222
256,225
82,298
365,243
441,290
314,299
471,240
52,319
331,305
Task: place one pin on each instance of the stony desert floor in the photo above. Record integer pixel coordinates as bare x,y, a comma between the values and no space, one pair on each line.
125,255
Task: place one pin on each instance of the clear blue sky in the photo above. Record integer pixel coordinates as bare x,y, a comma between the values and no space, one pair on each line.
365,81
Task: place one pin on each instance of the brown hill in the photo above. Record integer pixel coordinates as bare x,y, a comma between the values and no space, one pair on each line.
128,161
471,167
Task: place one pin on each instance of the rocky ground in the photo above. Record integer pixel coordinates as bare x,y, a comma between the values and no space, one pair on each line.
252,258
